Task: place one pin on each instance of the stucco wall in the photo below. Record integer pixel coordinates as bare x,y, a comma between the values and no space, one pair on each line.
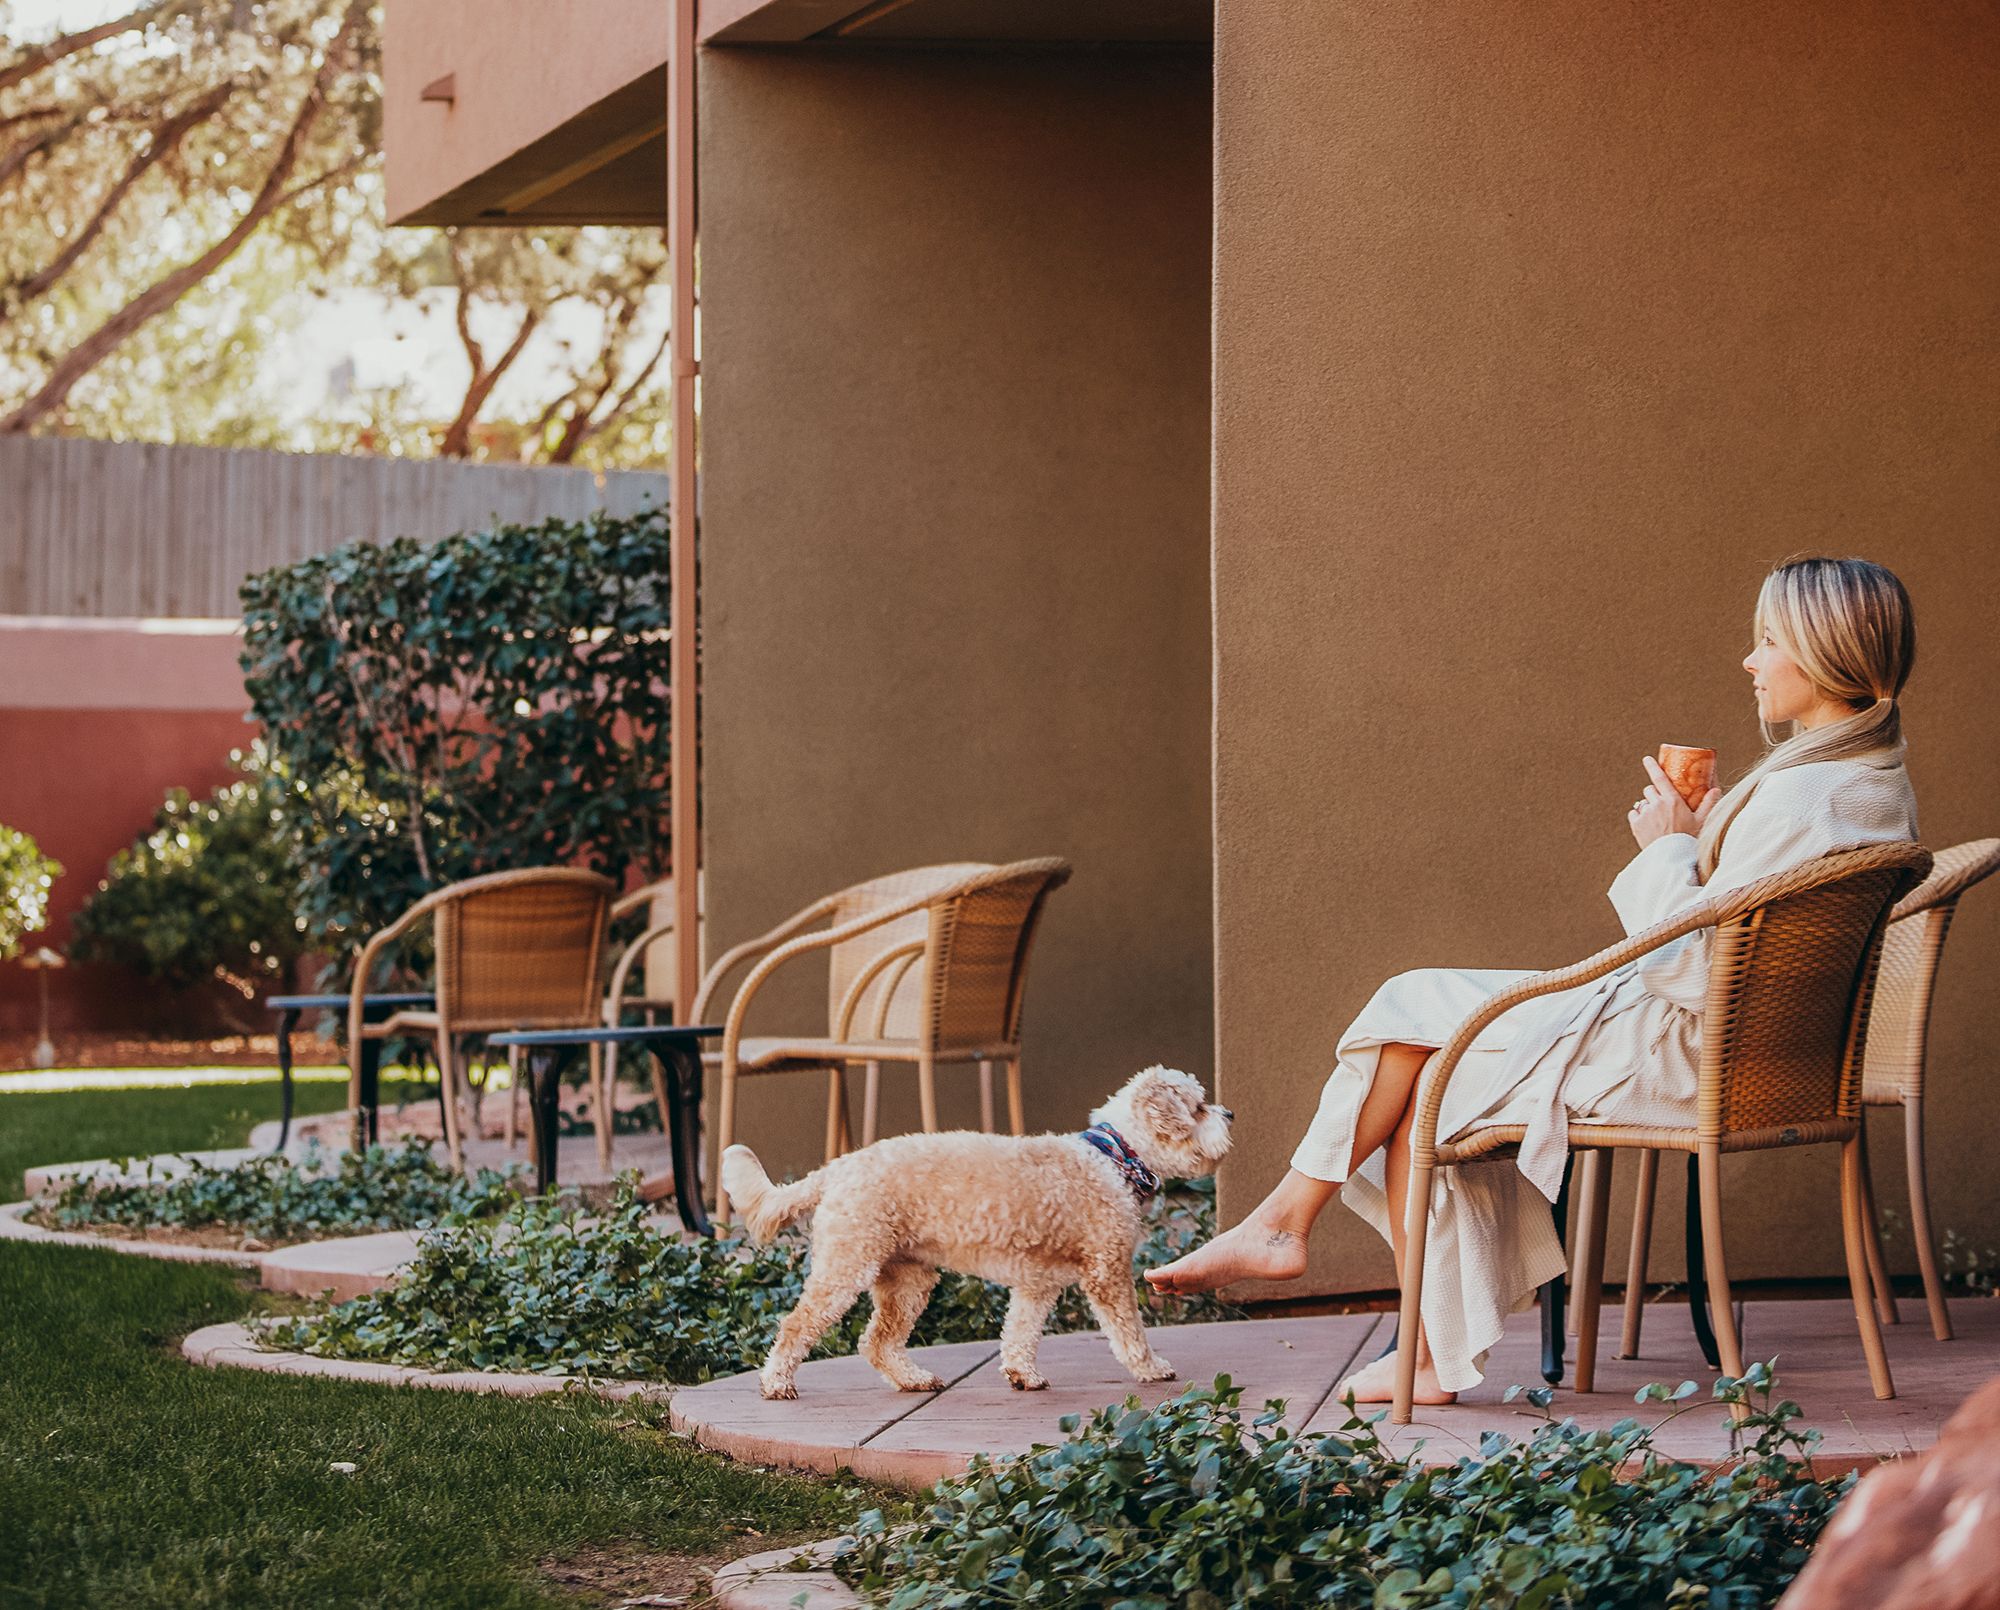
954,561
98,719
1541,331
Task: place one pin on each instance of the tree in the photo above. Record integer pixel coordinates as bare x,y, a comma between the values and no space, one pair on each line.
26,876
168,158
205,897
177,185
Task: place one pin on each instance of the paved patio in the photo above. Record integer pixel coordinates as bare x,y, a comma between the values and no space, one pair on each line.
846,1417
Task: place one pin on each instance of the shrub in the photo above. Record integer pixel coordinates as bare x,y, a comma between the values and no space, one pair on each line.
382,1188
206,895
1186,1505
26,876
551,1291
496,699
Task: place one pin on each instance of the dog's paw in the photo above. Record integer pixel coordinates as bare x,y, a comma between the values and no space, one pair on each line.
1025,1380
1155,1369
921,1383
776,1389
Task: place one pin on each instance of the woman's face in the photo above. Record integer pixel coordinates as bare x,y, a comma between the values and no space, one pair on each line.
1784,692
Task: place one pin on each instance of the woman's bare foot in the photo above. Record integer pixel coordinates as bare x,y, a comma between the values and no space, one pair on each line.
1376,1383
1252,1250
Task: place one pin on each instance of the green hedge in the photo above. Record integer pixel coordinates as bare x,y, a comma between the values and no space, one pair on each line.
25,878
492,700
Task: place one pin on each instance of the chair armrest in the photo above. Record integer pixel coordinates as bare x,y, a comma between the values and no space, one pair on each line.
900,953
734,957
364,965
643,895
825,939
1703,914
614,996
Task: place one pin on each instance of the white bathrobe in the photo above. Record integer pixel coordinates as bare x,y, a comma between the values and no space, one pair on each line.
1623,1049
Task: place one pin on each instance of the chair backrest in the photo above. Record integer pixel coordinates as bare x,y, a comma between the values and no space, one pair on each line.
849,959
662,964
1789,986
1899,1023
523,950
976,965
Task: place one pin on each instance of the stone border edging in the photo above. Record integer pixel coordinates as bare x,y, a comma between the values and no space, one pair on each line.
233,1346
14,1226
758,1583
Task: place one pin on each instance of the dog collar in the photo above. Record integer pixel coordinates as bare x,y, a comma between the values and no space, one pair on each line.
1102,1137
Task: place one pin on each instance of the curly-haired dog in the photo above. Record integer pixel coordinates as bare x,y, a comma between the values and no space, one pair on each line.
1034,1212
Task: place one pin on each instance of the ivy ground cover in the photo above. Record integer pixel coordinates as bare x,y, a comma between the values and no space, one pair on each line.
274,1199
1194,1504
548,1289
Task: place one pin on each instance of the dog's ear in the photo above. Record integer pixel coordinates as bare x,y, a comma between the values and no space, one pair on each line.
1164,1108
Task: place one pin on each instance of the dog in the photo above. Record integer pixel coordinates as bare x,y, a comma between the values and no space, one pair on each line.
1036,1213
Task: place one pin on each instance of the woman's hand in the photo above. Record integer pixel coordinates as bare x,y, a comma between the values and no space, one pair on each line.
1661,810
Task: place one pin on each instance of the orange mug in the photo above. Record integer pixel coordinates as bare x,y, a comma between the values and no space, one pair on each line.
1691,771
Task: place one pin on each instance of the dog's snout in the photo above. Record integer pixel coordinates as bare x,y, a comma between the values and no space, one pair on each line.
1226,1113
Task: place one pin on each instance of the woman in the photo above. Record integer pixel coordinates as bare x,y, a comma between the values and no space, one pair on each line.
1834,644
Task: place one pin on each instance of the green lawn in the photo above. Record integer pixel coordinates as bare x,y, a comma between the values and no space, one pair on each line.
77,1125
130,1478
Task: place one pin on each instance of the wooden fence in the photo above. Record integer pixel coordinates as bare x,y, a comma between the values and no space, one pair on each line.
139,529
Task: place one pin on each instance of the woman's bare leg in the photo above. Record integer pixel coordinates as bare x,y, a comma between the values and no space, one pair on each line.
1271,1243
1376,1382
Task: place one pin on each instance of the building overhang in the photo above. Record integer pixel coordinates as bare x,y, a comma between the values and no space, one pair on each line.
490,119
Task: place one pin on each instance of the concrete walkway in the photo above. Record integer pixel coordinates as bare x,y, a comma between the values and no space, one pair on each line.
847,1417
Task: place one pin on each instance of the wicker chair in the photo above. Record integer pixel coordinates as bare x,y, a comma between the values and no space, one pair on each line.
1892,1075
656,953
927,966
1790,981
515,950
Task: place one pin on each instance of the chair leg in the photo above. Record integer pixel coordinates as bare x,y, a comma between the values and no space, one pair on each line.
448,1092
1016,1113
1642,1246
1417,1222
1590,1266
871,1103
1920,1216
927,1091
513,1095
1721,1303
725,1132
1587,1227
1878,1267
1855,1235
836,1110
986,1095
604,1099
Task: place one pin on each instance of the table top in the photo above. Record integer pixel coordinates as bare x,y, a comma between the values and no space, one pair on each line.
288,1003
606,1036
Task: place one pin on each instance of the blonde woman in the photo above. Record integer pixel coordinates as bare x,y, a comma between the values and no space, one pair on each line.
1835,640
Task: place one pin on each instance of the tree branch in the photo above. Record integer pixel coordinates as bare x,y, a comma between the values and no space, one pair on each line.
170,288
166,137
36,58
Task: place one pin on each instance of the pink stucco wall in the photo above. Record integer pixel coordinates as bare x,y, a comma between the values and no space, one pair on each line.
98,719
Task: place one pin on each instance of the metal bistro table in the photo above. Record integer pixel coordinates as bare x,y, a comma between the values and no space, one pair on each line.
676,1052
374,1008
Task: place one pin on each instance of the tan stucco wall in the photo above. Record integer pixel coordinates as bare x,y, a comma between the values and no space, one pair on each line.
954,540
516,80
1541,331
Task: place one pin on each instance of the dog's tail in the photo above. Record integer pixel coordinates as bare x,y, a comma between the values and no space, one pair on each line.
766,1208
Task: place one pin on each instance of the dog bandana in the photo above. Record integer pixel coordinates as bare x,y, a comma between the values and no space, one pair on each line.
1104,1138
